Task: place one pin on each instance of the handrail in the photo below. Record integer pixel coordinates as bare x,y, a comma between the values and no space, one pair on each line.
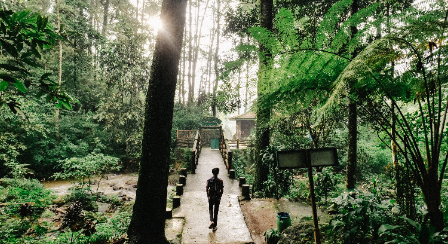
197,148
225,151
185,141
239,144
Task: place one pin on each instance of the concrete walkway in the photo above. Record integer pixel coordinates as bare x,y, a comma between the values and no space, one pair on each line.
194,206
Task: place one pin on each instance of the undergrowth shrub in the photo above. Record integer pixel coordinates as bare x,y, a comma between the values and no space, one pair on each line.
279,181
360,217
242,163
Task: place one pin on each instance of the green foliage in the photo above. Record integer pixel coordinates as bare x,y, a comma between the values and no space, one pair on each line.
272,236
19,191
360,217
410,231
87,167
25,201
32,141
188,118
78,193
279,181
82,170
243,163
24,36
324,183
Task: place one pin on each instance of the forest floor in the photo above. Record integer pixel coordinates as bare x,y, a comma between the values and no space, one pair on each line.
261,214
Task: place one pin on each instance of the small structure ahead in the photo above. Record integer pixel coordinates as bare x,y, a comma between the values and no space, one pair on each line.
210,130
245,123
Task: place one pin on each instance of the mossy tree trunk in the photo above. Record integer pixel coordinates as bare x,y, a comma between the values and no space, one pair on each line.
263,110
350,182
148,219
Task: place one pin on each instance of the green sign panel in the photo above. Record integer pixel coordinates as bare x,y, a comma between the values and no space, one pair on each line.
215,143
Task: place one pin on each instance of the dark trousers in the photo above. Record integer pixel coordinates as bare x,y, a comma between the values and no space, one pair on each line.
213,202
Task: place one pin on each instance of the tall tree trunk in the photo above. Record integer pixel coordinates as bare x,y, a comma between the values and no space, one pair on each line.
190,52
197,45
143,11
195,48
210,54
136,11
246,102
218,30
352,146
263,111
183,68
56,116
105,4
148,217
352,124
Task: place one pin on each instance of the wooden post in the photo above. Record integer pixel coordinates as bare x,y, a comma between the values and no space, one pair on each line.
237,143
168,213
245,191
179,189
176,201
183,171
229,160
313,199
232,174
242,181
182,180
193,162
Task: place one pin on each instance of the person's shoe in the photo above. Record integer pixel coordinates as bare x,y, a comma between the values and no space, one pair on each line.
215,228
212,225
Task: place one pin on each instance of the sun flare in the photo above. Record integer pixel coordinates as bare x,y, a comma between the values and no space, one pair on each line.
155,23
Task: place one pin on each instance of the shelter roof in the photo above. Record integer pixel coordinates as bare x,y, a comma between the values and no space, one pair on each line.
246,116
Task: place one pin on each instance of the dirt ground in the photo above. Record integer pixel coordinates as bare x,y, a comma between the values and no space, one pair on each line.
261,214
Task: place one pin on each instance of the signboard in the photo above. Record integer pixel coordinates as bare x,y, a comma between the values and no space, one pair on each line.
291,159
324,157
309,158
299,159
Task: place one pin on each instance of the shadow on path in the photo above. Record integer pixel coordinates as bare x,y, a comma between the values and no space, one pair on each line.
194,206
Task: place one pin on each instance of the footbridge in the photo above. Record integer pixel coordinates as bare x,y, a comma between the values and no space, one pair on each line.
231,227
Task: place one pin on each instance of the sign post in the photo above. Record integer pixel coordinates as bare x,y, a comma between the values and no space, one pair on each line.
309,158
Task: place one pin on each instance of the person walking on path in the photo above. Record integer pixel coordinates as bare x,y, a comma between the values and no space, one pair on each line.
214,188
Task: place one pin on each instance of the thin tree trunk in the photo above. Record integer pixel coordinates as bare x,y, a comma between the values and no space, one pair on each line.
352,146
195,48
218,29
190,52
56,116
183,69
198,43
148,217
352,125
263,111
143,11
246,102
210,54
105,4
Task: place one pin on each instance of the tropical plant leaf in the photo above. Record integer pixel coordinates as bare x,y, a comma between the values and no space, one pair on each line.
20,86
9,48
23,14
3,85
65,104
386,227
